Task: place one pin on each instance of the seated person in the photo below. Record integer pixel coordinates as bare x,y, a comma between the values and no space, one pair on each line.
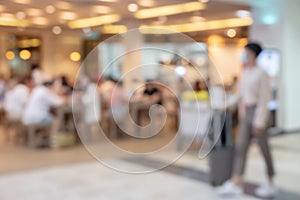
151,94
16,98
41,100
62,86
200,92
118,101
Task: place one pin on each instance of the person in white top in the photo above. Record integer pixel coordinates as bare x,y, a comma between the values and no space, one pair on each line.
119,104
38,75
254,94
15,100
92,109
42,98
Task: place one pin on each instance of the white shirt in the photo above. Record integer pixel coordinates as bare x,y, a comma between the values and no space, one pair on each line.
39,103
91,102
15,101
39,76
254,89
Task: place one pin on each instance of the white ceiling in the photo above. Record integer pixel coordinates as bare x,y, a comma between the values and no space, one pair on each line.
76,9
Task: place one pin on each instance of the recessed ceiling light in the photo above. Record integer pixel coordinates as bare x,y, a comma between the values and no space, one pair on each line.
94,21
22,1
132,7
10,55
75,56
56,30
34,12
204,1
192,27
112,1
180,70
231,33
50,9
243,13
169,10
102,9
20,15
113,29
7,15
87,30
197,19
147,3
39,21
8,19
63,5
68,15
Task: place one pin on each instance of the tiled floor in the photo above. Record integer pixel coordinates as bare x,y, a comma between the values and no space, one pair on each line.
72,173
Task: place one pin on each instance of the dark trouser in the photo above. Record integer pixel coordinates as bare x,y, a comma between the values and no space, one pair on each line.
244,140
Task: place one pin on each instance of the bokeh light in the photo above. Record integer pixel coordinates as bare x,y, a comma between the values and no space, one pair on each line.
75,56
25,54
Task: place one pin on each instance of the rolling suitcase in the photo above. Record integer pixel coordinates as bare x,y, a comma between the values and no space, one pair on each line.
222,155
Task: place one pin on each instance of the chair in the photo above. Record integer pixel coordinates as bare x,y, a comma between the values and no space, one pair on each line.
38,135
13,125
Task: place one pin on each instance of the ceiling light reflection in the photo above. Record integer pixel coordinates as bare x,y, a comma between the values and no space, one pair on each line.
56,30
132,7
34,12
113,29
10,21
146,3
94,21
22,1
102,9
197,19
50,9
40,21
204,1
192,27
63,5
68,15
169,10
7,15
20,15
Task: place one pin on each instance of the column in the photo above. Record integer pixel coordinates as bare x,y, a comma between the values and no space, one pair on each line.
3,61
132,40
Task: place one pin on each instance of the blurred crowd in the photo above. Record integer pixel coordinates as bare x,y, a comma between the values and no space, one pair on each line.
33,99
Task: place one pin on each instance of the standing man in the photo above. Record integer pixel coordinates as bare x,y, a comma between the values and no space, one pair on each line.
254,95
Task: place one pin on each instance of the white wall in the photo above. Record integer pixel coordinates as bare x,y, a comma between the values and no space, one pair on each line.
291,66
283,35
